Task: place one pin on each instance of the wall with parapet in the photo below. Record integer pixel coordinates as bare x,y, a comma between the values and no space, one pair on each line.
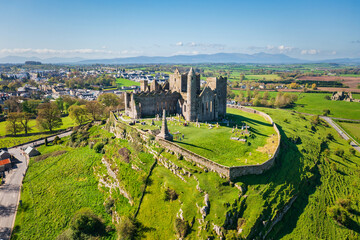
228,172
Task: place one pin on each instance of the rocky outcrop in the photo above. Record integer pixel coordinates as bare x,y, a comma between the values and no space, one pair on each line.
113,183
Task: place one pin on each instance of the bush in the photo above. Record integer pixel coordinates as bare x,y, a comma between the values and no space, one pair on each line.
126,228
329,137
181,228
57,140
339,215
326,112
98,147
86,222
352,151
339,152
327,97
109,204
170,194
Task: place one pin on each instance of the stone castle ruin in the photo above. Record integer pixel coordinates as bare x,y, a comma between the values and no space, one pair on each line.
180,95
342,96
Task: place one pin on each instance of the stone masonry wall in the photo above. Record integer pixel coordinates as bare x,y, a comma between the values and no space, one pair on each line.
228,172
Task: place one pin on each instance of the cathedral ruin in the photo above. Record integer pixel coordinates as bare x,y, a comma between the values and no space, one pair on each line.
181,94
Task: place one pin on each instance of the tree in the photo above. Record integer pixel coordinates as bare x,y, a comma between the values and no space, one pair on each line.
13,125
24,121
60,104
78,113
94,109
109,99
313,86
266,96
49,116
126,228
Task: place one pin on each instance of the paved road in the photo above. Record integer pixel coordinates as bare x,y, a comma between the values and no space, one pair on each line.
10,191
341,132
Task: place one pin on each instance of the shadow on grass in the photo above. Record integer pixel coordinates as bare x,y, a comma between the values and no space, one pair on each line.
192,145
285,172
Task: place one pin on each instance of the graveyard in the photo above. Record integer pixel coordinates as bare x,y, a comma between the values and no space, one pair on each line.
242,139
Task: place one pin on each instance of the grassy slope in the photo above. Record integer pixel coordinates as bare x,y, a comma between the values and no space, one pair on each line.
54,189
122,82
326,181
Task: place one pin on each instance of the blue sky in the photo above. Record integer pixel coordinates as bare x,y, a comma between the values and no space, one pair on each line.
316,29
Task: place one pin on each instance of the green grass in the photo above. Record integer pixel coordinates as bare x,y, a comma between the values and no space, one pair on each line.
12,141
315,103
215,144
268,77
67,122
122,82
352,128
54,189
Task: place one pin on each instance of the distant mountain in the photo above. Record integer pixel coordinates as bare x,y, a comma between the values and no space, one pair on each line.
257,58
17,59
202,58
342,61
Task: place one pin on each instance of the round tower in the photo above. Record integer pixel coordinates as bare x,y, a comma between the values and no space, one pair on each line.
191,96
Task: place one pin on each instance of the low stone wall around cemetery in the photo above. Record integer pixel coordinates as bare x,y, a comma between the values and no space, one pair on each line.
228,172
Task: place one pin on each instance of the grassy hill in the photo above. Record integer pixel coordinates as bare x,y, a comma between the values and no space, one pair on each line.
313,190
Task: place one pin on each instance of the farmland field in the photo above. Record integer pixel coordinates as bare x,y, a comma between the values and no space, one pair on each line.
315,103
122,82
352,128
268,77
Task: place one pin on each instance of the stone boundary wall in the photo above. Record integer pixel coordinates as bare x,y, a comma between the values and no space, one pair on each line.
228,172
260,168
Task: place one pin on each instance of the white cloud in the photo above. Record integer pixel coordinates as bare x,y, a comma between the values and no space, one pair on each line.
179,44
310,52
275,49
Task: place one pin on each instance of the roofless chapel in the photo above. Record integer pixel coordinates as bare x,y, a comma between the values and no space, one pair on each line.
181,94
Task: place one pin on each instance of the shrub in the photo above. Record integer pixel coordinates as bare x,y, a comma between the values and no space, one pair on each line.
181,227
170,194
126,228
339,152
109,204
352,151
98,147
326,112
86,222
315,120
327,97
125,154
344,203
339,215
57,140
329,137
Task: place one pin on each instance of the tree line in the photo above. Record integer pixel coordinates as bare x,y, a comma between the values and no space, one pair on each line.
49,114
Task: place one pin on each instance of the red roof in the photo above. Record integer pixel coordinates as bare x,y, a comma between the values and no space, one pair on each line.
4,162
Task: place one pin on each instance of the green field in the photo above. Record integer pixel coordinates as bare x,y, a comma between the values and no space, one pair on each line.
67,122
267,77
122,82
315,103
352,128
54,189
215,143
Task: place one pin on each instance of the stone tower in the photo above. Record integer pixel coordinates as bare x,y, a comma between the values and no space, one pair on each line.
164,129
191,96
